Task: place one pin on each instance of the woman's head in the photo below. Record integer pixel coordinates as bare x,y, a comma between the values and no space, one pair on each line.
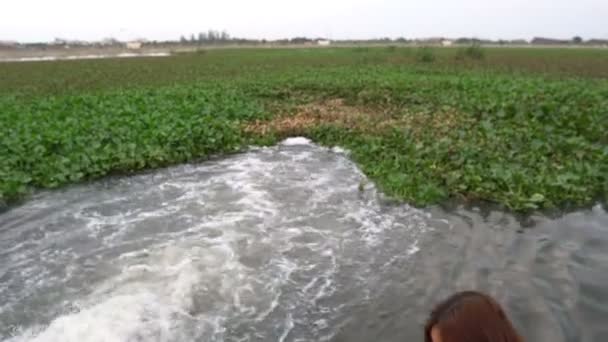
469,317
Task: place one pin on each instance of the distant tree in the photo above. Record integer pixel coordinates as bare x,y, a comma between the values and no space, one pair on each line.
192,38
183,39
224,36
463,41
212,35
577,40
300,40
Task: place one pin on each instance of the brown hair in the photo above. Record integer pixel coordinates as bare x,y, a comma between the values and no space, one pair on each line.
472,317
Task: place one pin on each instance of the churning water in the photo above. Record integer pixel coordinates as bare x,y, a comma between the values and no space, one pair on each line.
282,244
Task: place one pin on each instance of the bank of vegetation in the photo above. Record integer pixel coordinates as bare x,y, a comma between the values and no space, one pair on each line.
526,128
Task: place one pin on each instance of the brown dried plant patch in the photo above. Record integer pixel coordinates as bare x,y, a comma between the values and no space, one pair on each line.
365,119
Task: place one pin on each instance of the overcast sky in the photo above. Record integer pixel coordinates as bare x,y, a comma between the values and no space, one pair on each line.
43,20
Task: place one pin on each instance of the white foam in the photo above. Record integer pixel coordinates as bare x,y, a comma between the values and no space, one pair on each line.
288,326
146,301
340,150
119,318
295,141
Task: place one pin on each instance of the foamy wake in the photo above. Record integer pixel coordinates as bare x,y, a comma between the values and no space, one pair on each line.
146,301
259,246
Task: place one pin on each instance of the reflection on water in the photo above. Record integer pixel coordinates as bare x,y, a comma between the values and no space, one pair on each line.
551,276
82,56
280,244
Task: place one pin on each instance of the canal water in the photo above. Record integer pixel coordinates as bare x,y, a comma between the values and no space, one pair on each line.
287,243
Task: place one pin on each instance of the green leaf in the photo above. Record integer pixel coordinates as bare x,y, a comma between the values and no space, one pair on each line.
537,198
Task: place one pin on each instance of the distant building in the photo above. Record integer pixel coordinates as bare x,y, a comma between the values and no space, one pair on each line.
447,42
598,42
135,45
60,41
109,42
323,42
8,44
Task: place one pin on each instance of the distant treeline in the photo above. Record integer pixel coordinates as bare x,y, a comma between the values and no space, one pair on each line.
213,37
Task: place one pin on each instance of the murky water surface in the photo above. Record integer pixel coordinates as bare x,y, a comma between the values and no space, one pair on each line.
78,57
282,244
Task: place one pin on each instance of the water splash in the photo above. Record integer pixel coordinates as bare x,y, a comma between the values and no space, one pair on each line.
252,247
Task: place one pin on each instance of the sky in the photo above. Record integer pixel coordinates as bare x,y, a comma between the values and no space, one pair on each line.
44,20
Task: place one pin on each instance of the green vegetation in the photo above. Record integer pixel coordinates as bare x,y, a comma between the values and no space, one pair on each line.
527,128
426,55
474,51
